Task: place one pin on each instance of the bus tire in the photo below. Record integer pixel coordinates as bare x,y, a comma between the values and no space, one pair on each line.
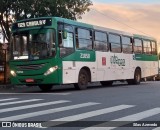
83,79
45,88
137,78
106,83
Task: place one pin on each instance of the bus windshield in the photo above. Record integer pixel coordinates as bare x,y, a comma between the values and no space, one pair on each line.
33,45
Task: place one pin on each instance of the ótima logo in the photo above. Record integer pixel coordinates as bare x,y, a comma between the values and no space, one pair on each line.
115,60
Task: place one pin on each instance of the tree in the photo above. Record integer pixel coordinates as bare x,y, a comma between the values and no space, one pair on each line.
12,10
5,11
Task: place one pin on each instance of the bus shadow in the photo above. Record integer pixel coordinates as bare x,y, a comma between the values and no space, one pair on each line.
70,88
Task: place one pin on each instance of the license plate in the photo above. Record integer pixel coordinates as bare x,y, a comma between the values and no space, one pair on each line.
29,80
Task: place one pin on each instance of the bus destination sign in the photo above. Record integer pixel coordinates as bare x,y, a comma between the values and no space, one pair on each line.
33,23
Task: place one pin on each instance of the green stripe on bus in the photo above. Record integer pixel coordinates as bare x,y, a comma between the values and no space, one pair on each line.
81,55
144,57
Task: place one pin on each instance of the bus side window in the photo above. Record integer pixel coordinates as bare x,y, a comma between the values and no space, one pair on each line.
127,44
84,39
154,48
146,47
115,43
100,41
66,45
137,45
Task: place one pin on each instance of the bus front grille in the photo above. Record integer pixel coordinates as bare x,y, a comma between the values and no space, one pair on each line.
30,67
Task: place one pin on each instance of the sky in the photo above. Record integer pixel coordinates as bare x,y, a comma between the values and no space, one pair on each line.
126,1
134,16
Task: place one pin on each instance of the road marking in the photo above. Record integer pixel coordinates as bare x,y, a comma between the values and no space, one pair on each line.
63,94
8,99
49,111
32,106
17,102
130,118
87,115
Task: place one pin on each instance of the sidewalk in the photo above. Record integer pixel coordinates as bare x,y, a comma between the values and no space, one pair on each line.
9,88
6,86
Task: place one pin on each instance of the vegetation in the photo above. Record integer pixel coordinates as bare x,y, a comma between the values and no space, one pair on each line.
12,10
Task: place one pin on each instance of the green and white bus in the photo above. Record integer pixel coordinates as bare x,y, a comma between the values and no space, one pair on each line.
50,51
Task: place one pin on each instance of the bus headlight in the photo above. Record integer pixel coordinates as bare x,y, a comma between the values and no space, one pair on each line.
51,70
13,73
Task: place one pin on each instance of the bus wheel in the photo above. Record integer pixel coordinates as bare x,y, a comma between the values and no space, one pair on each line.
137,77
45,88
106,83
82,80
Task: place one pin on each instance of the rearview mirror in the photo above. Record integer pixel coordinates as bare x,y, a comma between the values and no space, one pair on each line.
64,34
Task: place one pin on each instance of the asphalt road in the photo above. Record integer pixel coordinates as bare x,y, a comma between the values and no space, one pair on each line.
96,108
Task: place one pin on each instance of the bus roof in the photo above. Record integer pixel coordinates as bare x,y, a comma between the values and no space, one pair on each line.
144,37
81,24
85,25
103,28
